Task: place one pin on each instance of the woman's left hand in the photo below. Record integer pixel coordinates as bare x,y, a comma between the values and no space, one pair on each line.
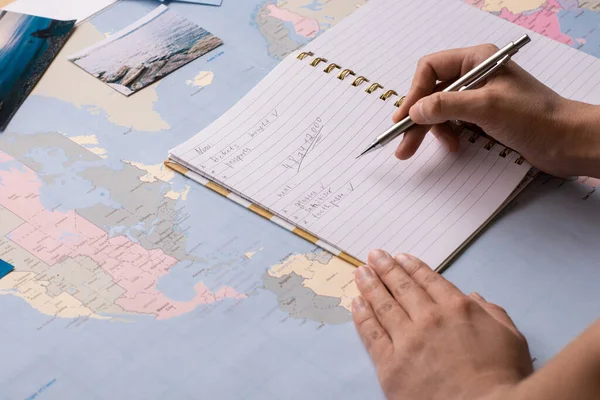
430,341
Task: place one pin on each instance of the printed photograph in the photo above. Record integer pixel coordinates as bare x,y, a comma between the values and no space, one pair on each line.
28,45
146,51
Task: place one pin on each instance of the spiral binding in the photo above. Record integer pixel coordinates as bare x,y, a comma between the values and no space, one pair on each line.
359,80
387,94
345,73
331,67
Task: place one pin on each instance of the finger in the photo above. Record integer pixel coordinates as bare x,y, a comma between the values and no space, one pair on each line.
411,140
402,112
472,106
389,313
497,312
438,288
446,136
374,337
408,293
440,66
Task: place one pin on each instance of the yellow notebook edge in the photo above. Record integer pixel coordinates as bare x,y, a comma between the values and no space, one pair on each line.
172,164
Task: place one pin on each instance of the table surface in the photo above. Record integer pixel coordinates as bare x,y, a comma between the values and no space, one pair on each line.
133,282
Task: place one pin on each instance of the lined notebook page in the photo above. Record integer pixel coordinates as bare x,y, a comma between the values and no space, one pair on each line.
290,144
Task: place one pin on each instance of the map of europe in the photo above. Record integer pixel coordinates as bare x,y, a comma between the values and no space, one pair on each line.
100,232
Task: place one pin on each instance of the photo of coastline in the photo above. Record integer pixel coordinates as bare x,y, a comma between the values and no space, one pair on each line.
28,44
146,51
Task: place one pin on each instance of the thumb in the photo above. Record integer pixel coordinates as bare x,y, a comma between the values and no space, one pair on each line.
440,107
497,312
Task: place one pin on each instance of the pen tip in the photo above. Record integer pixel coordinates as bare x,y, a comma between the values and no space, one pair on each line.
368,150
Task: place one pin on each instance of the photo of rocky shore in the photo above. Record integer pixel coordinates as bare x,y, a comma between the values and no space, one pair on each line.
146,51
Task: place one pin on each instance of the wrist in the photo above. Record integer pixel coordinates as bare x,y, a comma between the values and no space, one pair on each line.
501,392
496,385
580,144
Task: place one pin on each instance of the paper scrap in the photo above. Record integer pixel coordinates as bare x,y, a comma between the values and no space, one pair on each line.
204,2
5,268
79,10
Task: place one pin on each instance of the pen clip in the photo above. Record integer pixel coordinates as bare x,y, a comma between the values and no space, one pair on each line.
487,73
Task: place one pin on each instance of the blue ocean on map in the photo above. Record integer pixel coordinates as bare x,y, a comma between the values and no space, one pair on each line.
28,45
146,51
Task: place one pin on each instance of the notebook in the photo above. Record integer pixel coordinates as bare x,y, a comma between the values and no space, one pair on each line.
287,149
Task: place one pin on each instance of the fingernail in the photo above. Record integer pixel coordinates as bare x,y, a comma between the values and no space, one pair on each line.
378,258
419,110
365,274
358,303
477,296
402,258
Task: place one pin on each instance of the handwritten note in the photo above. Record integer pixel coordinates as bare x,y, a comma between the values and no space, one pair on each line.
290,144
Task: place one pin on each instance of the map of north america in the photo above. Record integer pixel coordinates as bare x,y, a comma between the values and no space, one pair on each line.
64,255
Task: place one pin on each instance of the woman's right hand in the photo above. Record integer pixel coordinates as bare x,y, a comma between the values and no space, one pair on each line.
557,135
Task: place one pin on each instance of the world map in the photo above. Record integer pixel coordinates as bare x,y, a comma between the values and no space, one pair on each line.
114,254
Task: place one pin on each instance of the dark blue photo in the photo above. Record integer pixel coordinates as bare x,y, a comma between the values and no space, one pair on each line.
28,44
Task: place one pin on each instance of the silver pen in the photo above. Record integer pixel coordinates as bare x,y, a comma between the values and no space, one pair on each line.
473,78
